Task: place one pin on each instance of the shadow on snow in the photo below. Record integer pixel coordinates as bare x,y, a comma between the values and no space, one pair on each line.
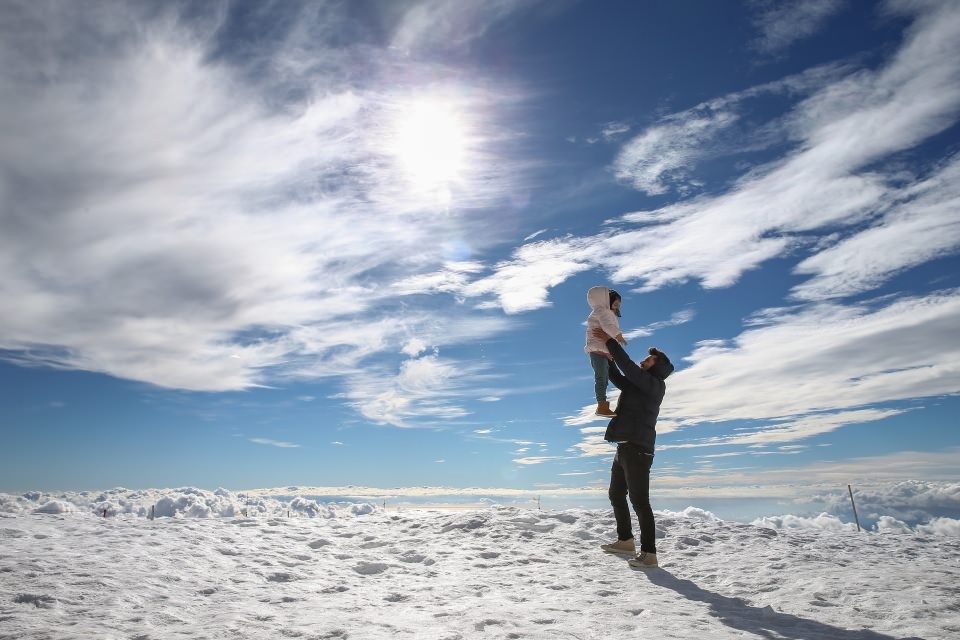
762,621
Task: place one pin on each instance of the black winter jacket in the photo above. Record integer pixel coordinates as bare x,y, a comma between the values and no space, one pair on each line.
641,393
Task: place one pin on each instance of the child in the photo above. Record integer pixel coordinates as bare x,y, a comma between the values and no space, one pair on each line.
606,309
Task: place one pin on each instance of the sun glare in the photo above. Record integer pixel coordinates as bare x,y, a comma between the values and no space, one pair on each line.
431,145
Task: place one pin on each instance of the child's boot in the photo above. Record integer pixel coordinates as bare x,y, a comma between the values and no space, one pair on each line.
603,409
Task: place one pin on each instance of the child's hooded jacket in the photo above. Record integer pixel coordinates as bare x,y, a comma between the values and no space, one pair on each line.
602,316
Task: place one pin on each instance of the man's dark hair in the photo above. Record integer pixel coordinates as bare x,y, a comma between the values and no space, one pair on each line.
661,356
663,368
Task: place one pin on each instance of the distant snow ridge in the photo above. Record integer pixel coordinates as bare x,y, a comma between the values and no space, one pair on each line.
182,502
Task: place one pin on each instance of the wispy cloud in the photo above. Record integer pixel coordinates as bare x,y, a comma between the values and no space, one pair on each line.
830,179
781,24
451,24
881,352
531,460
680,317
426,391
792,431
921,224
663,155
173,220
274,443
796,481
521,283
613,130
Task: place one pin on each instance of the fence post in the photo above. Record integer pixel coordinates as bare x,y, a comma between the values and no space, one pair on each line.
854,507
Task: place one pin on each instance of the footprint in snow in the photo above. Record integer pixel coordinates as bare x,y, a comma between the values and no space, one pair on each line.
373,544
370,568
40,601
487,623
396,597
413,556
282,576
317,544
566,518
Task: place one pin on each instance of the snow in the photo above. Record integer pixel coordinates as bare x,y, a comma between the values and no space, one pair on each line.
342,570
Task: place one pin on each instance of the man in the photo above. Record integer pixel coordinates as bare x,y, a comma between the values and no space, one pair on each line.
634,430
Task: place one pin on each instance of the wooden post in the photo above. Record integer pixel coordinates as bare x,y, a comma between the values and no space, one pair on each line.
854,507
153,511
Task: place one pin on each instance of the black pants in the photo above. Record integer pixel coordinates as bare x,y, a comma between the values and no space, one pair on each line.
630,475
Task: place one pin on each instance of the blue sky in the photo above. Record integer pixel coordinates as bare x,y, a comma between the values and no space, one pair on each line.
261,244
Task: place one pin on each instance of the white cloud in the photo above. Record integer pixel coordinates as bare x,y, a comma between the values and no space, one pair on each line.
274,443
425,392
792,431
900,349
453,277
853,120
923,224
664,156
613,130
414,347
826,482
169,224
521,283
680,317
941,527
782,24
823,521
535,234
451,24
531,460
912,500
661,156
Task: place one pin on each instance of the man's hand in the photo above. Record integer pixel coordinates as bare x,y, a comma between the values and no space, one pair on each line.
599,333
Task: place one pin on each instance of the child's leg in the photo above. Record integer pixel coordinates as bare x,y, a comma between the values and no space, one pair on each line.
601,375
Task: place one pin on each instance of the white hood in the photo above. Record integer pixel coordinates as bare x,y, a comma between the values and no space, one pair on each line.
598,298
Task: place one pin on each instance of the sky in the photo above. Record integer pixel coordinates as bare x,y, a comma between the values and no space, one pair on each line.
321,244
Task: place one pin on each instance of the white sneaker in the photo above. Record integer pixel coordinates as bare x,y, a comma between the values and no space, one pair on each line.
620,546
644,560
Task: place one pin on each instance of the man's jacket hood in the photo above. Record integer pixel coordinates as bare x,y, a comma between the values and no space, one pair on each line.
662,370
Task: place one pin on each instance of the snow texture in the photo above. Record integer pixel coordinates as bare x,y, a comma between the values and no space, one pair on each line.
341,571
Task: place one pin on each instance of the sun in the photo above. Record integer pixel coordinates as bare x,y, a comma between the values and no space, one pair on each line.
430,144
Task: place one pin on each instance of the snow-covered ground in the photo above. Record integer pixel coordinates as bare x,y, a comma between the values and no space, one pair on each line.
354,571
